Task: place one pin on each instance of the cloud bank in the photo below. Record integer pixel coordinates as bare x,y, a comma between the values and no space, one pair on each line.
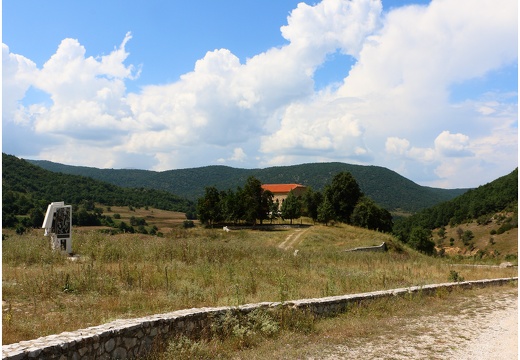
393,109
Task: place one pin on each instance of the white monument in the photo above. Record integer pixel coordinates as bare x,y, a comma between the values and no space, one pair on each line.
58,224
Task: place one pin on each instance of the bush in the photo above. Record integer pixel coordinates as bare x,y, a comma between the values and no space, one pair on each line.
420,239
505,227
511,257
185,348
141,229
455,277
20,229
484,220
480,254
137,221
187,224
467,236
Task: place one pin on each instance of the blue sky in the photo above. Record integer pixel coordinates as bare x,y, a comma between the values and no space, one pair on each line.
428,89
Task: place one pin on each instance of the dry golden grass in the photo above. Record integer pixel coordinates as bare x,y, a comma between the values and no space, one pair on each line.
164,220
133,275
493,246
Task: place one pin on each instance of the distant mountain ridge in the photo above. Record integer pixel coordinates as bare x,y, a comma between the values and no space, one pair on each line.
389,189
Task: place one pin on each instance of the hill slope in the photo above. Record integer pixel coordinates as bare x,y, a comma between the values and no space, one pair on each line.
500,195
389,189
25,185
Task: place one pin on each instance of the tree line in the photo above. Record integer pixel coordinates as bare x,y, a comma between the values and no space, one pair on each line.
28,189
341,201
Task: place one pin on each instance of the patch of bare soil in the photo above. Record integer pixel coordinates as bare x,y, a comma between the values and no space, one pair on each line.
291,239
485,327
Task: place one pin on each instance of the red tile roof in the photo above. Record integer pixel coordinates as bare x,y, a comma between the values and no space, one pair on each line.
281,188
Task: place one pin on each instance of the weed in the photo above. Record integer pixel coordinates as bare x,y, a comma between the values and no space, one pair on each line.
455,277
186,348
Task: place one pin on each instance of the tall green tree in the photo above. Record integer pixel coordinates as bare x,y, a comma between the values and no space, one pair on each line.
343,193
274,211
209,207
369,215
291,207
325,211
267,200
420,239
312,200
231,205
254,202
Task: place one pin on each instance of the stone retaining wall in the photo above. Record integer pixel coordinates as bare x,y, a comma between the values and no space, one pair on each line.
376,248
132,338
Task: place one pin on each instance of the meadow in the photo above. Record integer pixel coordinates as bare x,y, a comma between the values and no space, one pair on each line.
134,275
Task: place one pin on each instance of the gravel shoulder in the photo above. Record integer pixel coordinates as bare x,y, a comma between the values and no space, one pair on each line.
474,324
485,328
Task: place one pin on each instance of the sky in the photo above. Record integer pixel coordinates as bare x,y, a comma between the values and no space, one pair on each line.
428,89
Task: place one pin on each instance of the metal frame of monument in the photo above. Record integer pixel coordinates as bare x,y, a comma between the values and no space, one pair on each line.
58,224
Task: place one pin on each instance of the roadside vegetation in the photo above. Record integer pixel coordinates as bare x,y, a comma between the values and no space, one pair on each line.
429,327
133,275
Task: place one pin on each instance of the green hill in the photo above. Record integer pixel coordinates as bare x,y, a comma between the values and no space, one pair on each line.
26,186
387,188
480,204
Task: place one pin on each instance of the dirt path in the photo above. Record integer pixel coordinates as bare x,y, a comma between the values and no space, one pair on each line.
291,239
485,329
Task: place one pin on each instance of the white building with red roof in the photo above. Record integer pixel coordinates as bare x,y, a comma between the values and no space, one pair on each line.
281,191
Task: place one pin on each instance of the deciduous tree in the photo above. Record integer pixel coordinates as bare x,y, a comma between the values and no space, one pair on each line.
291,207
209,207
343,194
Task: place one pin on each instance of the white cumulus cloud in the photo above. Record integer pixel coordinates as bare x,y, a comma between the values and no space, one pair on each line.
392,109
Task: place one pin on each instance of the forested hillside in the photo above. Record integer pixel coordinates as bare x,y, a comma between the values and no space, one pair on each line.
26,188
478,204
387,188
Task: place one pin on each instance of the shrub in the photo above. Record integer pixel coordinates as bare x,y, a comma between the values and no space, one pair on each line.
511,257
20,229
420,240
187,224
484,220
504,227
137,221
480,254
467,236
185,348
455,277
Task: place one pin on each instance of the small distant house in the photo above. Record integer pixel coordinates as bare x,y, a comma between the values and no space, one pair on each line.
280,191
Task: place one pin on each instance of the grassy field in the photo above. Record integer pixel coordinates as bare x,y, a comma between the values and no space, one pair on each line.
133,275
164,220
